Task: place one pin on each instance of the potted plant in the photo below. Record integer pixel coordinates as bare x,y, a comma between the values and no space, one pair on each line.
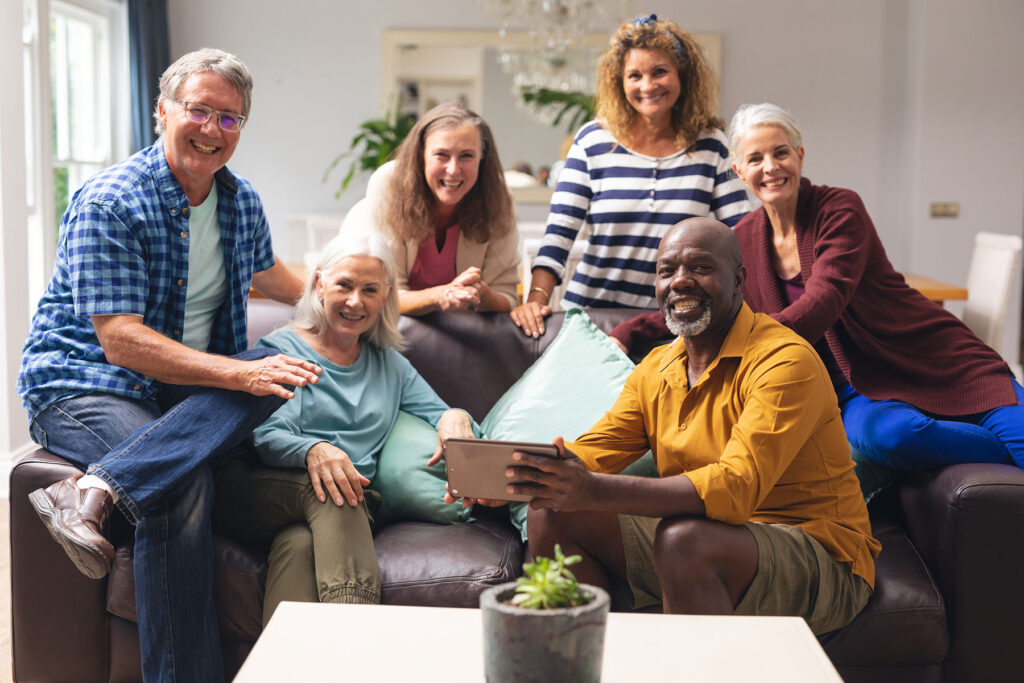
545,626
374,144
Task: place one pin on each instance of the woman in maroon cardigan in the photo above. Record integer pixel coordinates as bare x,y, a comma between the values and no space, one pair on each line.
916,387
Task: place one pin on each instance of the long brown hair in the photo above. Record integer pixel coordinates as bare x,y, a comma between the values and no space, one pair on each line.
694,111
486,210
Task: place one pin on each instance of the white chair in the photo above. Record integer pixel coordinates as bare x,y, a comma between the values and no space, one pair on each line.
993,271
361,216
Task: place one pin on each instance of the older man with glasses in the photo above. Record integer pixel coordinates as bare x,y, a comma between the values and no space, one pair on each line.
136,367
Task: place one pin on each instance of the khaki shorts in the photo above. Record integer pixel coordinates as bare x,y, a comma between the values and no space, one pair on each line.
795,575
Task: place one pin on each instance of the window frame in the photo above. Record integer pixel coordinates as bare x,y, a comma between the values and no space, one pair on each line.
41,156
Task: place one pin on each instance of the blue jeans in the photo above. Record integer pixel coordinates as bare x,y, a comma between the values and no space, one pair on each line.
156,455
898,435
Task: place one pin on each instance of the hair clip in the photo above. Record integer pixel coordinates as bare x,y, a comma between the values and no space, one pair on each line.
645,21
650,21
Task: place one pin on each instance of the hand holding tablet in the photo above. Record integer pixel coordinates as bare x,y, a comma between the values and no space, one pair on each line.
476,467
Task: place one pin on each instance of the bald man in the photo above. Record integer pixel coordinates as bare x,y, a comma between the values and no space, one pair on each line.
757,509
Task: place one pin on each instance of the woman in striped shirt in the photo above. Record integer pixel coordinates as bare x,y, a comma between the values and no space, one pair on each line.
655,155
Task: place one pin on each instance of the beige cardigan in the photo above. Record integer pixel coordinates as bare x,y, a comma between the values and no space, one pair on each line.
498,259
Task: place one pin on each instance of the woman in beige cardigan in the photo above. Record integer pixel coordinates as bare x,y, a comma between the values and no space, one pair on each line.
444,208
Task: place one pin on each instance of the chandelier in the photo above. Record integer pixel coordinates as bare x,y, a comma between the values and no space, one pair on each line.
543,44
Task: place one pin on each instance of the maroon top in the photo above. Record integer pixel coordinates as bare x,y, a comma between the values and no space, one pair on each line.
434,267
889,340
792,290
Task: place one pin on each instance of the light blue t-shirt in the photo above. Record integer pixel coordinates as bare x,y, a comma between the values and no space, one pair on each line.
207,282
352,407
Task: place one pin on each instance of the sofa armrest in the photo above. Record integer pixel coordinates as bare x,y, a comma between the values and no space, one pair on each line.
54,608
967,522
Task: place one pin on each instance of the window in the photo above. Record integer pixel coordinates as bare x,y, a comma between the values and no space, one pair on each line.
77,108
80,97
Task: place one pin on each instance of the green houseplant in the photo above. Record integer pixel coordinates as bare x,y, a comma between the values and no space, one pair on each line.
546,626
577,106
375,143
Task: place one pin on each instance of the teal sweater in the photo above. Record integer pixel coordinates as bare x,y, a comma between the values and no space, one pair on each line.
352,407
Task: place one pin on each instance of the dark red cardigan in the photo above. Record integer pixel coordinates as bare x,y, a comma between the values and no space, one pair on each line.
889,340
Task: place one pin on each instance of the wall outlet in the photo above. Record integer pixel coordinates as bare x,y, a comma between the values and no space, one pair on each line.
945,209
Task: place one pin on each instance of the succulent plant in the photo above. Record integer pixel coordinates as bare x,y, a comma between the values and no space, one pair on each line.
548,583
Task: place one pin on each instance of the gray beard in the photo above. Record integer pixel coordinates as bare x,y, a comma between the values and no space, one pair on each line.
687,329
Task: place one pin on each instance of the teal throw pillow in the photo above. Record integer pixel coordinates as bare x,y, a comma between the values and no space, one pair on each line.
573,383
409,489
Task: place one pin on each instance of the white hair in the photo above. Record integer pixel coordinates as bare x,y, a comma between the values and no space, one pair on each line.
753,115
310,314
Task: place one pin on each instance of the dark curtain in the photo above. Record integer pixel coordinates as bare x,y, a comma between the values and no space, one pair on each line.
150,51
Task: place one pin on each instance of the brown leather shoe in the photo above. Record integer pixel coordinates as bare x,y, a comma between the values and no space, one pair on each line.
75,518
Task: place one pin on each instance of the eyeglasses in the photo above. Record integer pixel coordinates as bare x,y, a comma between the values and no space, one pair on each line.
200,113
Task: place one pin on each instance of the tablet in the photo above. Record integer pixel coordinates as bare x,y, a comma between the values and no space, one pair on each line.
476,467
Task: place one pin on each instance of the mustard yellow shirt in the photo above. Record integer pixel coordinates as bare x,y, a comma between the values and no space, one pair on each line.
759,435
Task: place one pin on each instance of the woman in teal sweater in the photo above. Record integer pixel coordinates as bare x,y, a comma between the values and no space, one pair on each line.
346,322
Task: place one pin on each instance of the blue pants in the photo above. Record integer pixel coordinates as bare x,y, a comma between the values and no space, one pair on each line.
156,455
898,435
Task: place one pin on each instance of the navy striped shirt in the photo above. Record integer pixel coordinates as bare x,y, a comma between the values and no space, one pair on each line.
625,202
123,250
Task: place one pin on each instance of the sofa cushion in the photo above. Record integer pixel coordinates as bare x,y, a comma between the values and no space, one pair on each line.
447,565
410,490
265,316
904,622
573,383
238,578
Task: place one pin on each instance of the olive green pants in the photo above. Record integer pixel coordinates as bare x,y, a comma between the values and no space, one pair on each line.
795,576
318,551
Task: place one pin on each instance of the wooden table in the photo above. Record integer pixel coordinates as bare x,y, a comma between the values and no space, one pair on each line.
936,290
320,642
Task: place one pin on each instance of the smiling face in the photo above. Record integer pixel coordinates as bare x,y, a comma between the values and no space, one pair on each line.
354,291
195,151
699,278
451,163
770,165
651,83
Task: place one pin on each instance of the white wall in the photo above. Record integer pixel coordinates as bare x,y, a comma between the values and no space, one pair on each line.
967,138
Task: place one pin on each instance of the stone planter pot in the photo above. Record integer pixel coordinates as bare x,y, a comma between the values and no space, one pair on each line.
525,645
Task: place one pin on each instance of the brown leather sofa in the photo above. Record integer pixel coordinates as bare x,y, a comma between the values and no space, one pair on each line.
947,605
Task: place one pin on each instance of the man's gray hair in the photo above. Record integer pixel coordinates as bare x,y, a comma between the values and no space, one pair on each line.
310,314
765,114
224,64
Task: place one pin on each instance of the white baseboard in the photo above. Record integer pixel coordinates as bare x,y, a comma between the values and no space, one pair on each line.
7,461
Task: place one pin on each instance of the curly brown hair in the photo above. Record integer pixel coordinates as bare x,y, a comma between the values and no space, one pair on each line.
694,111
485,212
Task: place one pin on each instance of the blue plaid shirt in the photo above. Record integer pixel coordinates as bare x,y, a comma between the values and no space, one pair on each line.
123,249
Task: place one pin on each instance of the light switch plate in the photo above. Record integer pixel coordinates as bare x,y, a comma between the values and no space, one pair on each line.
945,209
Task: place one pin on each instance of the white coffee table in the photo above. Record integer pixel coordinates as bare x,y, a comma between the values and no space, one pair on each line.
316,642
